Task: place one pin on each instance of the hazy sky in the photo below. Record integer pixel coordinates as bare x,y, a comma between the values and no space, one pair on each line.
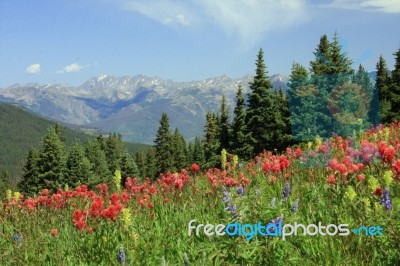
70,41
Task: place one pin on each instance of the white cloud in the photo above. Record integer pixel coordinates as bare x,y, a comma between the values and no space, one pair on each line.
33,69
386,6
249,20
164,11
71,68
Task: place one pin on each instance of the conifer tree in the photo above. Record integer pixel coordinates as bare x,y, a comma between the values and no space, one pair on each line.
29,182
283,134
260,118
151,163
78,168
383,87
114,149
211,143
190,153
52,162
361,77
128,167
239,137
224,125
395,88
4,183
198,152
179,152
302,97
98,162
163,146
140,159
329,71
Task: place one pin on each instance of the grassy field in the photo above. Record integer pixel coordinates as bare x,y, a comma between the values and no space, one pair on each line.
353,181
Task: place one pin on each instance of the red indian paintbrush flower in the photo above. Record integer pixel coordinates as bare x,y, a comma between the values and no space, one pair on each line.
195,167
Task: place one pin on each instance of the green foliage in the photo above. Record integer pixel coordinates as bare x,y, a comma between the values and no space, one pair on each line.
98,163
395,89
140,159
198,152
211,144
383,87
239,137
224,126
260,118
79,168
179,151
52,162
4,183
30,180
163,146
128,167
151,164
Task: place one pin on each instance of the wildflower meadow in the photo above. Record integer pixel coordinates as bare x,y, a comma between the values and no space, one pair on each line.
353,181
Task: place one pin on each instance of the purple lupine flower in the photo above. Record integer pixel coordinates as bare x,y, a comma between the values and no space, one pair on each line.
240,190
295,207
276,222
286,190
227,195
386,200
121,255
17,238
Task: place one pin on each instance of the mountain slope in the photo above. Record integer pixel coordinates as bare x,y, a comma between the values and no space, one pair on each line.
22,130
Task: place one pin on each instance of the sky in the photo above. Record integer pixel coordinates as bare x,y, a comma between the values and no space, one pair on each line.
70,41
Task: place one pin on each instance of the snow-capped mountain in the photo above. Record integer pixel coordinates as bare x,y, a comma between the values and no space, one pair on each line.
132,105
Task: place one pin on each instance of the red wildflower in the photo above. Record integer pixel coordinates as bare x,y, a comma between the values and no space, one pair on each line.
178,183
378,191
331,179
150,205
361,177
54,232
89,230
166,200
195,167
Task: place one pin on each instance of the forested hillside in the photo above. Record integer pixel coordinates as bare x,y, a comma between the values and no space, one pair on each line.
21,131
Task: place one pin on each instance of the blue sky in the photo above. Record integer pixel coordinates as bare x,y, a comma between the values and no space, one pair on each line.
70,41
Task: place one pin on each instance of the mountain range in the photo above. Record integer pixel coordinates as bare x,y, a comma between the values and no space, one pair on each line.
131,106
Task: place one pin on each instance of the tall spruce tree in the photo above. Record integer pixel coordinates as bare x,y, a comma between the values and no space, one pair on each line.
98,162
29,183
395,88
329,71
283,133
383,87
224,125
78,168
52,162
163,146
128,167
179,151
140,159
239,136
302,103
211,143
198,152
260,118
114,148
361,77
151,164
